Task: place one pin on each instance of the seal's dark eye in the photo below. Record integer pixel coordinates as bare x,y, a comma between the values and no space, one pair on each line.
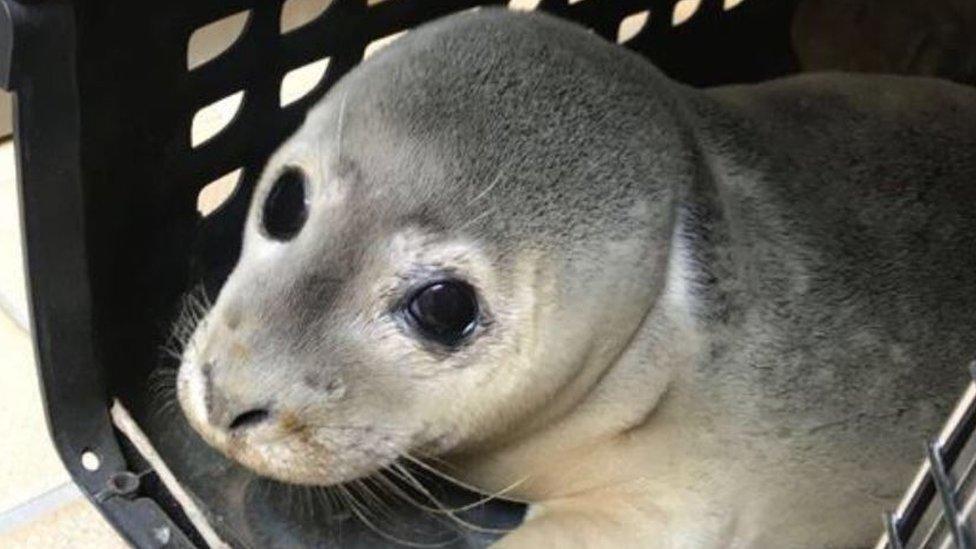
286,206
445,312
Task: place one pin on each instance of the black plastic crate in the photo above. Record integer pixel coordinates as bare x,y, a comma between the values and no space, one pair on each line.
109,185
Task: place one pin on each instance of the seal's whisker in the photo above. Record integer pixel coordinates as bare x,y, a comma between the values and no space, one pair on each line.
162,377
354,506
433,470
331,499
349,498
195,305
388,486
442,509
401,493
475,219
371,498
171,352
205,297
444,514
308,502
488,189
432,458
323,495
162,390
407,476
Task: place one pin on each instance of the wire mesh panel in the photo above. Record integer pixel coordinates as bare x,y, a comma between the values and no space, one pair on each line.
937,510
114,169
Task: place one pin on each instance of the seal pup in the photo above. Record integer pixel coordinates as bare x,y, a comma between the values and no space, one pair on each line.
662,316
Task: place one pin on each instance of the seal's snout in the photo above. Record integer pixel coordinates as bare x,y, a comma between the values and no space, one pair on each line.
214,389
233,416
221,407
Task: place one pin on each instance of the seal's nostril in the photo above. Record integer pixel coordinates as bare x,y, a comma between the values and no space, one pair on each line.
248,419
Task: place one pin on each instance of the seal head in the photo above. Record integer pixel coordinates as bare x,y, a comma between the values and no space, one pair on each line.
452,249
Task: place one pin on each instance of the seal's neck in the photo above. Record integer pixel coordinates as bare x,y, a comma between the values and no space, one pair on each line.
566,455
645,387
706,230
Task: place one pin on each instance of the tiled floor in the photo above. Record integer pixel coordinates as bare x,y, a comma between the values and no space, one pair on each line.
38,505
75,525
13,300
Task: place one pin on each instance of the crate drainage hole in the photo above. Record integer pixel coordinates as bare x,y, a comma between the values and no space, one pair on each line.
683,11
380,43
297,83
212,119
213,39
215,194
124,483
524,5
90,460
631,25
298,13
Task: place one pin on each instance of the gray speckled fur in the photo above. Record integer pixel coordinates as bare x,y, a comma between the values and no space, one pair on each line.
840,225
829,224
833,216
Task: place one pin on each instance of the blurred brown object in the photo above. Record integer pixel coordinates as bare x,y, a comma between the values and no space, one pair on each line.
919,37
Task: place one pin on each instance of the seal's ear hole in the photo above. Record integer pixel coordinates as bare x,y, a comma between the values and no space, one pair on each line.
286,206
212,119
298,13
631,25
213,195
729,4
380,43
211,40
297,83
683,11
526,5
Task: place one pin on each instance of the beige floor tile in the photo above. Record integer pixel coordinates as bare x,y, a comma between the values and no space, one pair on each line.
28,462
75,526
13,295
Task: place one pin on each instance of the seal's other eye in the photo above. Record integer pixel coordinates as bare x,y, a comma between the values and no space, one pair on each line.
445,312
286,207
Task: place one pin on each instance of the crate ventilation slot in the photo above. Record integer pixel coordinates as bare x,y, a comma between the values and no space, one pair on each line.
380,43
523,5
209,41
297,83
631,25
215,194
298,13
685,10
212,119
729,4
